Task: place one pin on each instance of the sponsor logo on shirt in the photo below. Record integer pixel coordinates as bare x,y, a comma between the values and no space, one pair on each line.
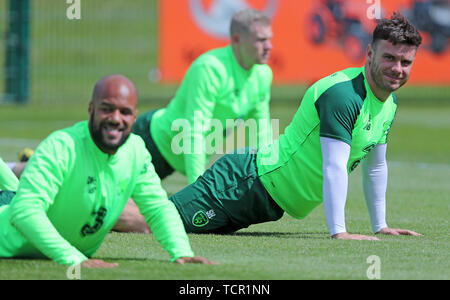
99,216
368,126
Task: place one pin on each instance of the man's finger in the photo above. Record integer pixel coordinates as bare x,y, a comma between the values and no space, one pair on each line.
409,232
98,263
195,260
203,260
370,238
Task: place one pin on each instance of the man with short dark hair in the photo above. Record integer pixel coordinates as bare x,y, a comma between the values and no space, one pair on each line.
343,120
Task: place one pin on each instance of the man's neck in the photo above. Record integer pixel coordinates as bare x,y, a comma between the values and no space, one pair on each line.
381,94
239,59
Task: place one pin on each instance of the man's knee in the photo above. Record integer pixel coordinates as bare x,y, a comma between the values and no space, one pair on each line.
131,220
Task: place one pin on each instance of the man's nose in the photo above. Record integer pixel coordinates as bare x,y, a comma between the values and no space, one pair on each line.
397,67
268,45
115,116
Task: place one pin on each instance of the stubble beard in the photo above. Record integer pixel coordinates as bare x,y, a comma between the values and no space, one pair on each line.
99,139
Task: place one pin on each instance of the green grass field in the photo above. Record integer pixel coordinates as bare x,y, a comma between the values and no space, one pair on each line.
69,56
418,199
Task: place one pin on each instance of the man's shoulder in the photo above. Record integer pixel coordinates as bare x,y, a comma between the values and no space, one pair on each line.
135,146
70,135
214,57
214,63
60,148
342,86
134,152
342,81
136,141
263,70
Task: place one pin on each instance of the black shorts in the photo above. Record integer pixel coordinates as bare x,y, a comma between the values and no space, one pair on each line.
227,197
142,128
6,197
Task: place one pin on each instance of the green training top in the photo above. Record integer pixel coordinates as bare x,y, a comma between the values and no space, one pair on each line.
71,195
8,180
340,106
215,87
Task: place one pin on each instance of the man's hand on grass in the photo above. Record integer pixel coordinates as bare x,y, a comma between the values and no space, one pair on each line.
98,263
350,236
195,260
398,231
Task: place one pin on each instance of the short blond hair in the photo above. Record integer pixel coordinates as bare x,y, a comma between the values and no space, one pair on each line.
243,20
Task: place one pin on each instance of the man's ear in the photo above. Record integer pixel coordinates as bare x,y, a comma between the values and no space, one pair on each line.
91,108
370,52
236,38
135,115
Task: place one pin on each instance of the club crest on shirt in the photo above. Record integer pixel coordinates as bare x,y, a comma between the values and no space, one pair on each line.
121,187
201,218
146,165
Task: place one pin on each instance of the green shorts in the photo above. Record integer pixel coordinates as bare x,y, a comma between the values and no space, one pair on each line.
227,197
142,128
6,197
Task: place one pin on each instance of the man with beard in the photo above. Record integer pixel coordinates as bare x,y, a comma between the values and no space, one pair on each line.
343,120
78,181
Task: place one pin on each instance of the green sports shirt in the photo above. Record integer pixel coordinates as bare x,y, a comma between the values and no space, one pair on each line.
217,88
340,106
8,181
71,195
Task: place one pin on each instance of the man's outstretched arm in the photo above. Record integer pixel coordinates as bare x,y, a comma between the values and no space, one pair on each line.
335,155
375,178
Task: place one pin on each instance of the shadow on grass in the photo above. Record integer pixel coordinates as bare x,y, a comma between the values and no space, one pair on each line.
302,235
132,259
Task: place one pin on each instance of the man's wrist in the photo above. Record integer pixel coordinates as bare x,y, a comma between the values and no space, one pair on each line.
381,230
339,235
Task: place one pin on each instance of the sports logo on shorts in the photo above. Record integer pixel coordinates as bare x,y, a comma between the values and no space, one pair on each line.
200,219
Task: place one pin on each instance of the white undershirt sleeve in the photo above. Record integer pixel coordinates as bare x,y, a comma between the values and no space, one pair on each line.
335,155
374,179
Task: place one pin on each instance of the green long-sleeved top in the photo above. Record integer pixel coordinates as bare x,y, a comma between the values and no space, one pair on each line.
71,195
8,181
214,93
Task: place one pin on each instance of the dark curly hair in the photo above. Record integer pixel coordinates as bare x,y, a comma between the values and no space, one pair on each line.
397,30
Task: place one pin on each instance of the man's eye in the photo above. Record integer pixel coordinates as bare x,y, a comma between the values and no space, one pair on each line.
406,63
126,112
105,109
